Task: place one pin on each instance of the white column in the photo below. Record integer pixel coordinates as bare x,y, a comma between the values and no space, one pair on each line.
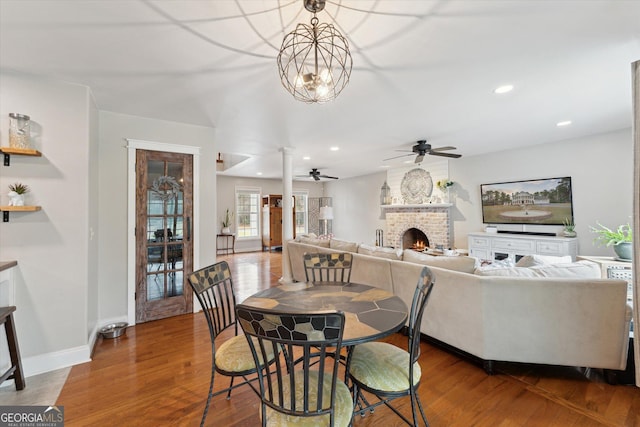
287,208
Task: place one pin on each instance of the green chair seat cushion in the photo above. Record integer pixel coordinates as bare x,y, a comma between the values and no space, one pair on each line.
343,408
382,366
234,355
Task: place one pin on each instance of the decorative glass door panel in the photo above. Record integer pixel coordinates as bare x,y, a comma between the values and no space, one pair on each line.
163,234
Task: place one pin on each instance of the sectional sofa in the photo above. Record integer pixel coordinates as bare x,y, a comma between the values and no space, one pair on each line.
553,313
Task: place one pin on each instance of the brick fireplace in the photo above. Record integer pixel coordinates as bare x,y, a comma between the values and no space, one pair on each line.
433,220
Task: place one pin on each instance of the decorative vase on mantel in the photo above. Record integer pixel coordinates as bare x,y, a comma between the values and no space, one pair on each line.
624,251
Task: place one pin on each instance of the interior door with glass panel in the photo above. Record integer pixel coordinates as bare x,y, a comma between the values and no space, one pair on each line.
164,249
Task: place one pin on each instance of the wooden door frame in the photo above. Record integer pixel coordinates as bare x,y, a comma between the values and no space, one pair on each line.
132,146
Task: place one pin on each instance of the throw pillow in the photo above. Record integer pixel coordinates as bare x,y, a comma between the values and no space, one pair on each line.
382,252
315,242
463,264
533,260
505,271
343,245
307,235
580,269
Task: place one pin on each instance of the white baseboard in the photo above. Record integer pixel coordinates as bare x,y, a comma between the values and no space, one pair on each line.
251,249
47,362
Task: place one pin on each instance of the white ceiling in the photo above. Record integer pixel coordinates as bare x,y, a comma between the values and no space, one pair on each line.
421,70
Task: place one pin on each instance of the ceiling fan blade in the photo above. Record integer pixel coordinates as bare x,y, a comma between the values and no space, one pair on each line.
448,147
454,156
328,177
315,177
419,158
397,157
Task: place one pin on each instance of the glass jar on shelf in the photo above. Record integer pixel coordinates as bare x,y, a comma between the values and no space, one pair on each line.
19,130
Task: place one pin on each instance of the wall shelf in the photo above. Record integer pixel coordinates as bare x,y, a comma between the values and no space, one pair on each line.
8,151
6,209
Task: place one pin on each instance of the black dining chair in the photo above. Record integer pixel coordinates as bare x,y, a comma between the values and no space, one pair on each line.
213,286
328,267
292,392
384,369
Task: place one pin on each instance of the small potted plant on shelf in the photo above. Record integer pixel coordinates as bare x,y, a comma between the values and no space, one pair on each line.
620,239
16,194
569,229
226,223
443,185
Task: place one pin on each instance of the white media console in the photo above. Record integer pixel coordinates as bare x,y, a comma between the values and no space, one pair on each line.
496,246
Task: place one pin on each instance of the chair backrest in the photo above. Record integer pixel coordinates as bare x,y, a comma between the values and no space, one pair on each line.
328,267
213,287
419,303
305,339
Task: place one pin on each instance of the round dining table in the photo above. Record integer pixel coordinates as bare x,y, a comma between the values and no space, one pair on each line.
370,313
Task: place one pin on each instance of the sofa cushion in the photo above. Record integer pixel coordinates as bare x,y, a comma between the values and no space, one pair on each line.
533,260
464,264
389,253
580,269
343,245
316,242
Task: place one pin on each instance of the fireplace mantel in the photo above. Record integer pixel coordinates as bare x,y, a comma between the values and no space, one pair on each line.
414,208
421,206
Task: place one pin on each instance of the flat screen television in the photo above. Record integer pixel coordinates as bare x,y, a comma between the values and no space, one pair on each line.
536,201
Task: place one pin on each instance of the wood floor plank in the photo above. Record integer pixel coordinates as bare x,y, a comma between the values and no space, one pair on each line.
157,374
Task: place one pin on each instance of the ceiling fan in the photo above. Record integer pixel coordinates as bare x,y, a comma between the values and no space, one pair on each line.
422,148
315,174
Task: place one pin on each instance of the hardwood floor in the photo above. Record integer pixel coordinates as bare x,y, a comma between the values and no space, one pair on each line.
158,375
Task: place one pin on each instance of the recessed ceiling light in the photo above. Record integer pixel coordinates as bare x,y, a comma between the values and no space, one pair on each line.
384,166
334,148
564,123
409,161
306,158
258,173
503,89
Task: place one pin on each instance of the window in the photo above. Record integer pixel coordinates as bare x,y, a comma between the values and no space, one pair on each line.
301,211
248,212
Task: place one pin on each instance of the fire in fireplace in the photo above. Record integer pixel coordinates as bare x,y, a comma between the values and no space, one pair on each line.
414,239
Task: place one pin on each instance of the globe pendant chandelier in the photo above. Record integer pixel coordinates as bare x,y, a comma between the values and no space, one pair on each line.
314,61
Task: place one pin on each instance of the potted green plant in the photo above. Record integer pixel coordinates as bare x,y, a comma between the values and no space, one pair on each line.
16,194
443,185
620,239
569,229
226,223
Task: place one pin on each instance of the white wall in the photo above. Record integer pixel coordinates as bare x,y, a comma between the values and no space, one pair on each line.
114,130
55,259
226,200
356,207
601,168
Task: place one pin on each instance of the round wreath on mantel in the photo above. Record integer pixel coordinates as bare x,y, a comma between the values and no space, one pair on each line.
165,187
